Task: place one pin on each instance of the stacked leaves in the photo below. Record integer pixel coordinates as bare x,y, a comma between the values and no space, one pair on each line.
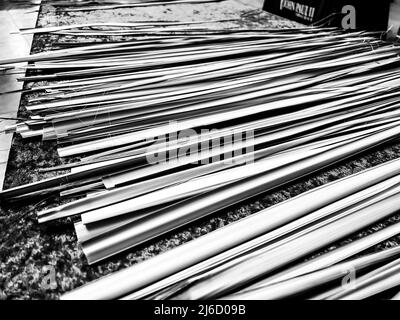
260,257
271,105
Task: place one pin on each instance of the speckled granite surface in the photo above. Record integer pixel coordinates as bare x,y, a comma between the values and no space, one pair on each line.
42,262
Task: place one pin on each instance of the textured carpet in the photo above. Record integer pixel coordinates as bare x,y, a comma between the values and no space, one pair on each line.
42,262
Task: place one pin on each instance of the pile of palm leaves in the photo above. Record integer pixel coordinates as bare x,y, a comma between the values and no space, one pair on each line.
183,121
259,257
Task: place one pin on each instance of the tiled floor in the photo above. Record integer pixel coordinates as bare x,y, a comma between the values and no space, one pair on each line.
13,16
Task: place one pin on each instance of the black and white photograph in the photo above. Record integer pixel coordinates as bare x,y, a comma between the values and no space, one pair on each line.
223,151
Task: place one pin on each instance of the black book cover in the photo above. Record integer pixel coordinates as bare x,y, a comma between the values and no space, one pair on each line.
369,14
